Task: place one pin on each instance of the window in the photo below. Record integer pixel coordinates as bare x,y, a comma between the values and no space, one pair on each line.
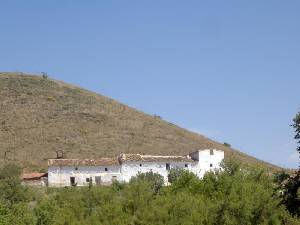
186,165
87,179
140,164
106,169
167,166
169,178
211,165
72,181
76,168
98,180
211,152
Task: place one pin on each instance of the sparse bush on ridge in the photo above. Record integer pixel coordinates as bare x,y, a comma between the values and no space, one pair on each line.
227,144
44,75
157,117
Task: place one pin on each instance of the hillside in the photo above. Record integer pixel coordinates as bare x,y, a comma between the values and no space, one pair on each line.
40,118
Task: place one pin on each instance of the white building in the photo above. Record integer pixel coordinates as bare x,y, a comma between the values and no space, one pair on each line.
82,172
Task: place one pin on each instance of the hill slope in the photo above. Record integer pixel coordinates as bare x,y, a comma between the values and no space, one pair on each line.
40,116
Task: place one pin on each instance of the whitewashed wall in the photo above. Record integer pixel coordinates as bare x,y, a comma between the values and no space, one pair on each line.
131,169
60,176
206,160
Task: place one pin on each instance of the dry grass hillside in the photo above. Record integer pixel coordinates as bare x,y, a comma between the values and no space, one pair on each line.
40,118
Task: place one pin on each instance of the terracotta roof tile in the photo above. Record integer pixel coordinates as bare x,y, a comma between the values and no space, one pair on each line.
33,176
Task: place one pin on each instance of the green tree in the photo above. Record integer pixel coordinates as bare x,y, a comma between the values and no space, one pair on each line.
45,211
11,189
155,180
174,174
290,185
242,195
296,126
184,180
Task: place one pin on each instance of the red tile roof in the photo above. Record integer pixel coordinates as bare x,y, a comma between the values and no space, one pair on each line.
33,176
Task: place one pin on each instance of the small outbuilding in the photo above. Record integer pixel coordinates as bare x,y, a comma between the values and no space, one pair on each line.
35,179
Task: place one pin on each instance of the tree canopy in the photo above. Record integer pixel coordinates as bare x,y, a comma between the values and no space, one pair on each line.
296,126
233,196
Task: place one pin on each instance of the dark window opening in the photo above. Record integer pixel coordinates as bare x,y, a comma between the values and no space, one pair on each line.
186,165
211,152
106,169
87,179
72,181
167,166
76,168
211,165
140,164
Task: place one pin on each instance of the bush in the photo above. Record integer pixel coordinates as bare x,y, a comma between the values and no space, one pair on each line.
227,144
174,174
44,75
155,180
11,190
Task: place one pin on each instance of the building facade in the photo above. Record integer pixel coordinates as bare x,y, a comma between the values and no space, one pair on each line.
82,172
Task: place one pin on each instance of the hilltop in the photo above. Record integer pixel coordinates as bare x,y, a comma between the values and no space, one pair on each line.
41,118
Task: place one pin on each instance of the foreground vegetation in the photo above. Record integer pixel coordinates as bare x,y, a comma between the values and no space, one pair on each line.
233,196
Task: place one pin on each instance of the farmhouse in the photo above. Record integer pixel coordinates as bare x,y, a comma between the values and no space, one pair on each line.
82,172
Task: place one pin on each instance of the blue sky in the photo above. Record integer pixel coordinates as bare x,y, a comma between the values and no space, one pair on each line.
227,69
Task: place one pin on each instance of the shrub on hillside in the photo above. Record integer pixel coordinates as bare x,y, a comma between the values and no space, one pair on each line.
227,144
44,75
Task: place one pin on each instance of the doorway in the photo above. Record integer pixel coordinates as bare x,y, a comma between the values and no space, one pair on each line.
72,181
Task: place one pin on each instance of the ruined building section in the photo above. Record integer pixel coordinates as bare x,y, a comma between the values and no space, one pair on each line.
83,172
132,164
